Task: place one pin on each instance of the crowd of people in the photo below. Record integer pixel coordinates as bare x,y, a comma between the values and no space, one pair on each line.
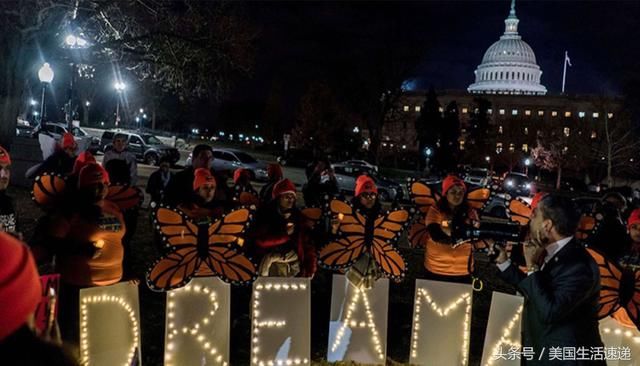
87,240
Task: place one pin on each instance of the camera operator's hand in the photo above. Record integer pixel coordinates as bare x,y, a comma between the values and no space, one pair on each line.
532,251
500,250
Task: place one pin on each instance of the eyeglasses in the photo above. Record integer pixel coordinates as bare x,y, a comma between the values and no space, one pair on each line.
369,196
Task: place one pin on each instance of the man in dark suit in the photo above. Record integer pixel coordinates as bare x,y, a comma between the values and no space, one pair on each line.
561,288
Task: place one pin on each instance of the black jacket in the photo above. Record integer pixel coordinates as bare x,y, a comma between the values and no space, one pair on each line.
560,306
58,162
155,186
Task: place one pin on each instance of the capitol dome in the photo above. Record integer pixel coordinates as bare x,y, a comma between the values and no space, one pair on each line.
509,65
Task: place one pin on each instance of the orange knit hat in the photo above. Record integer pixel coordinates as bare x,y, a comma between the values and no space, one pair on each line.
68,142
201,177
5,158
20,288
364,184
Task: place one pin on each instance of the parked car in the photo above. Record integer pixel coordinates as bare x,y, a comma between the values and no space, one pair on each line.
296,157
361,163
517,184
346,175
144,146
478,177
231,159
24,131
56,130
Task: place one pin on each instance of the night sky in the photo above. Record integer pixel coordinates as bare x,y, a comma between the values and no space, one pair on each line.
304,41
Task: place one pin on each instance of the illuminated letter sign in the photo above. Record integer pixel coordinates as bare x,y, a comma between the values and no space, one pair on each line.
503,330
197,323
442,313
358,327
110,325
281,321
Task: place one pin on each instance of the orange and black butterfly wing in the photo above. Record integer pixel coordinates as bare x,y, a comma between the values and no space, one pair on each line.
478,198
632,307
422,196
342,252
312,215
246,197
386,231
48,189
180,235
126,197
418,234
351,221
174,269
518,210
610,284
587,225
224,256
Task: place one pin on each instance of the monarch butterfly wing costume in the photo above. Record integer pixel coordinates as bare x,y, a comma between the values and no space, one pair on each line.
386,230
478,198
422,197
245,196
633,306
518,210
312,215
48,189
224,257
611,276
350,244
126,197
587,225
176,268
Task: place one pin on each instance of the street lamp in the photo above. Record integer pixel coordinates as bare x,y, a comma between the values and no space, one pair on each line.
427,153
45,74
120,87
527,162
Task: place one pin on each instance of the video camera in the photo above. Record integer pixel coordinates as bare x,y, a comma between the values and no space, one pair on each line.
498,231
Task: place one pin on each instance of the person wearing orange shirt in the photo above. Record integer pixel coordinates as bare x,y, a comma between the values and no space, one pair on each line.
447,259
86,240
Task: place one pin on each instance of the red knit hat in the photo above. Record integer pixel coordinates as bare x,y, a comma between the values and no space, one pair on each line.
20,288
450,181
364,184
274,171
241,173
283,187
5,158
536,199
82,160
634,218
201,177
68,142
92,173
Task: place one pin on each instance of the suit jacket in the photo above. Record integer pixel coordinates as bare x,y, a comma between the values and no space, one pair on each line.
560,306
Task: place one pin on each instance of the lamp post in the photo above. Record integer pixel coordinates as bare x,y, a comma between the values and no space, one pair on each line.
45,74
119,86
427,153
73,41
527,162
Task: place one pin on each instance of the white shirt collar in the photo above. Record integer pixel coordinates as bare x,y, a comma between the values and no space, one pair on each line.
554,248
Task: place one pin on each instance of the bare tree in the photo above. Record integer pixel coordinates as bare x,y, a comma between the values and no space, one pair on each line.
618,146
189,47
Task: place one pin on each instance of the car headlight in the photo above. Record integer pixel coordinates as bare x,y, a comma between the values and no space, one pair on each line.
527,186
509,183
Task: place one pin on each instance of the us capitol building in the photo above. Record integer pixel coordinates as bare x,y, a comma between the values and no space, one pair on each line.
510,79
